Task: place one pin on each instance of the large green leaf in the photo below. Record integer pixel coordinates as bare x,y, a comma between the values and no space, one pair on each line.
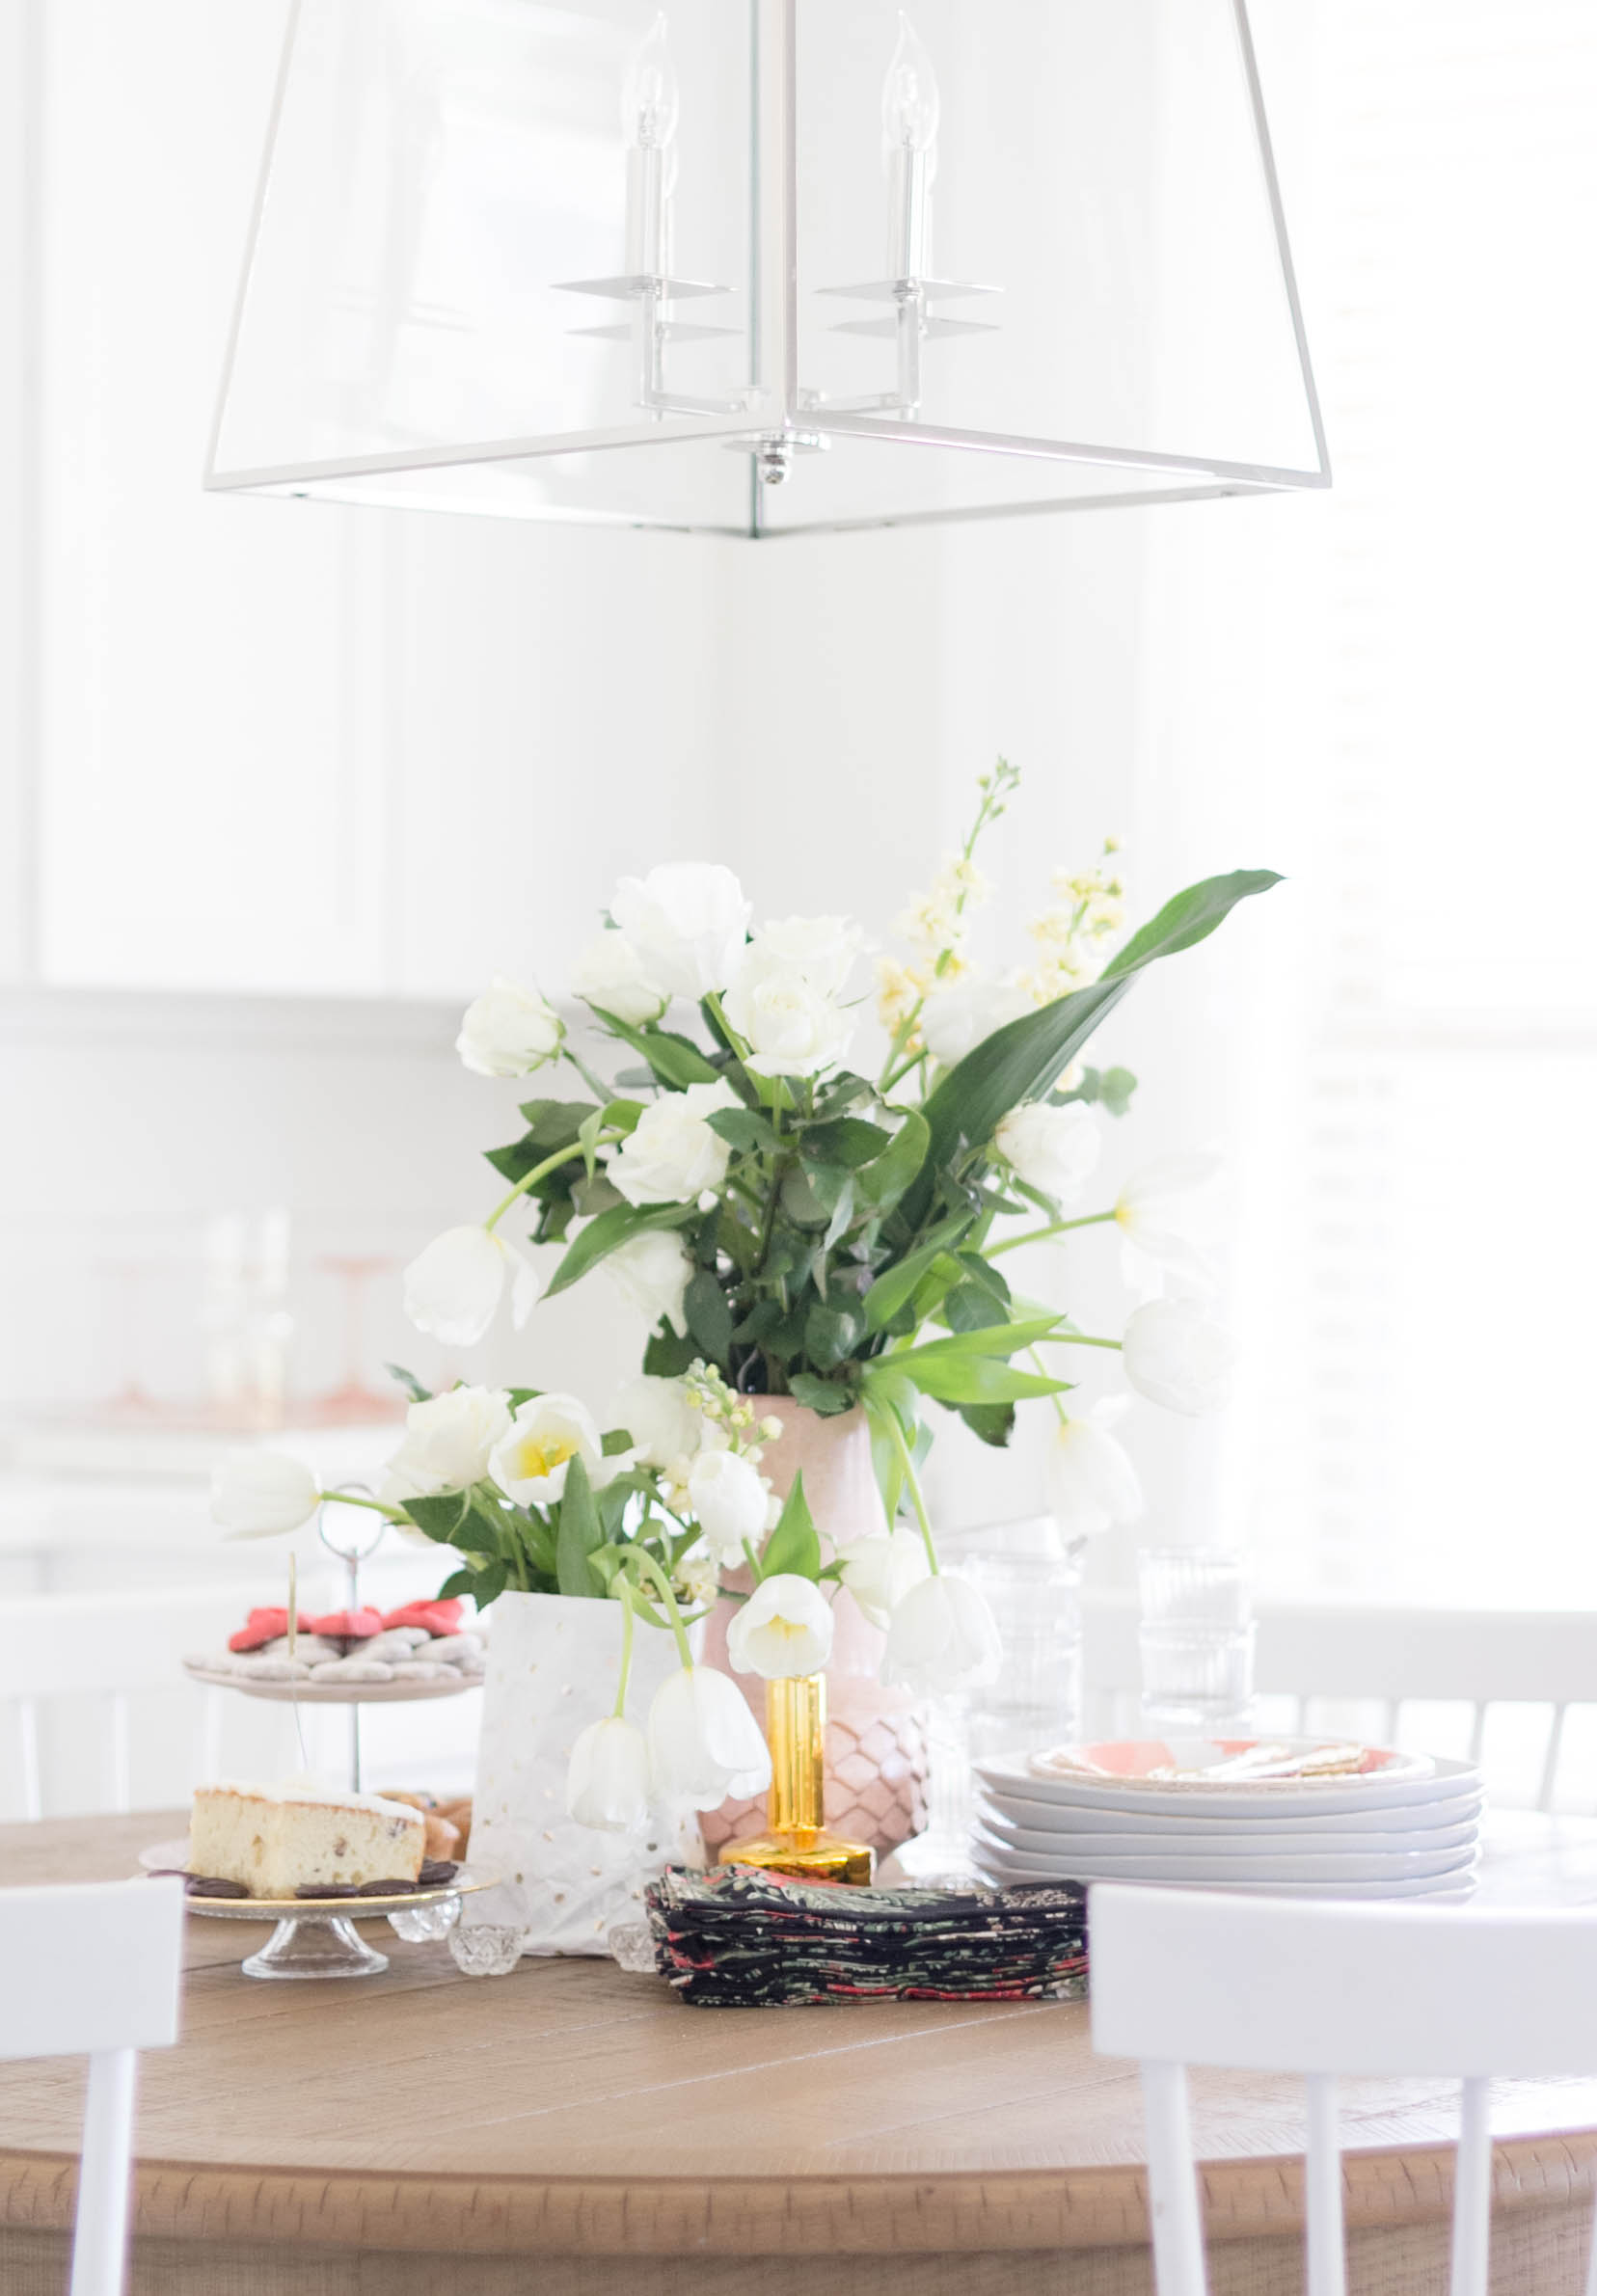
676,1060
794,1545
989,1339
1020,1061
884,1180
581,1532
979,1379
896,1285
608,1233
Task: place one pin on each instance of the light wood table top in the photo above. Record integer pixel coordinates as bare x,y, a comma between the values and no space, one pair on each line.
317,2138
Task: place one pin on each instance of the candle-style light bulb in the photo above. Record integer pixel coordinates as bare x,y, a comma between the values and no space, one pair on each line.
911,104
911,107
651,104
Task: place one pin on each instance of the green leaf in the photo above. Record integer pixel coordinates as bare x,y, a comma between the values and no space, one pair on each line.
457,1582
988,1339
994,1422
709,1316
551,1123
442,1518
1020,1061
884,1180
896,1285
591,1197
972,1308
823,1395
743,1128
800,1202
676,1060
489,1583
848,1141
794,1545
979,1379
1110,1088
579,1533
832,1334
616,1442
408,1380
668,1354
621,1116
841,1214
608,1233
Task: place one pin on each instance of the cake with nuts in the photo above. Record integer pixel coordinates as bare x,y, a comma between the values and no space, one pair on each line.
274,1840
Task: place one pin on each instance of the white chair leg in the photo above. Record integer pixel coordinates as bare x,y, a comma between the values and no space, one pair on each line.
1172,2183
1471,2227
100,2243
1327,2269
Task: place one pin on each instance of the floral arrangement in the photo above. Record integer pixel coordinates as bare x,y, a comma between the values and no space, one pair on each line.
788,1225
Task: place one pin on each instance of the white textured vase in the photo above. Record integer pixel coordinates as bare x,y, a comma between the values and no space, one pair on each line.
553,1664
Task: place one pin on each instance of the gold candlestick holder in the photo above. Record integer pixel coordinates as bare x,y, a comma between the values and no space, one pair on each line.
796,1840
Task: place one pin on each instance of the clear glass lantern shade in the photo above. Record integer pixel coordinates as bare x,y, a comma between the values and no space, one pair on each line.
764,266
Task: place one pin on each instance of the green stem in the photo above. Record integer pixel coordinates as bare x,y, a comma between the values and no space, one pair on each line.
1077,1339
564,1155
347,1498
626,1644
753,1563
1038,1235
1062,1414
713,1000
662,1588
916,1061
908,1464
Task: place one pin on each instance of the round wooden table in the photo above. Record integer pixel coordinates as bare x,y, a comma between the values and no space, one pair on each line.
571,2129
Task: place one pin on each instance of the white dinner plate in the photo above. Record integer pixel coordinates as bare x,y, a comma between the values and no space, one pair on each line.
1407,1820
1460,1880
1070,1865
1226,1841
1196,1766
1009,1775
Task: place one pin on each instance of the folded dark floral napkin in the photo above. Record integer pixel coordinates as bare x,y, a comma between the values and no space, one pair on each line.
735,1937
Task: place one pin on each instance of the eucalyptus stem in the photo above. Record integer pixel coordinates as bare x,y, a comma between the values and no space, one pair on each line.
896,1432
538,1171
626,1645
1040,1235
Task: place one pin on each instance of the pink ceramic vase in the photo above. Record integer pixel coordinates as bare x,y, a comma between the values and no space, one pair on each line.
876,1746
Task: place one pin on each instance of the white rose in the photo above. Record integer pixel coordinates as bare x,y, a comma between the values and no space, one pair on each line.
653,1273
731,1501
823,949
1090,1481
672,1156
509,1031
1052,1149
532,1458
611,974
1148,1219
448,1442
704,1742
1176,1357
664,1428
955,1019
688,921
607,1780
942,1637
785,1628
259,1494
792,1027
880,1571
452,1289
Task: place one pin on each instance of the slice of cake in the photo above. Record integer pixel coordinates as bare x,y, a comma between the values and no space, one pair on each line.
276,1839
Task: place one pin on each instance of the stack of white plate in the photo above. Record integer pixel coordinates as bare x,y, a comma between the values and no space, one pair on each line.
1239,1814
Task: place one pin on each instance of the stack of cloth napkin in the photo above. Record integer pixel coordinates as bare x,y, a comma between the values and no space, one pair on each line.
735,1937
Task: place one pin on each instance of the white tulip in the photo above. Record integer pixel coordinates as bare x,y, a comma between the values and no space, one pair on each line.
446,1445
792,1027
1145,1213
1090,1481
704,1742
509,1031
823,949
1052,1149
942,1637
611,974
653,1272
955,1019
730,1500
532,1458
688,919
880,1571
454,1289
785,1628
259,1494
607,1780
1176,1357
671,1156
664,1428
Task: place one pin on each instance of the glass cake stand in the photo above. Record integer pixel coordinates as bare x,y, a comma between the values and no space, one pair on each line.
317,1936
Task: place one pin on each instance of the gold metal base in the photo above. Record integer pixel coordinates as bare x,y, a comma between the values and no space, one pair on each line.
808,1851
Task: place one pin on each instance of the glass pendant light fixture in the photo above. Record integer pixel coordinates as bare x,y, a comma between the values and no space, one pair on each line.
763,267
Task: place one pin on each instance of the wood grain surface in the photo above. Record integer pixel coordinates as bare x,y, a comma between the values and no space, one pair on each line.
329,2139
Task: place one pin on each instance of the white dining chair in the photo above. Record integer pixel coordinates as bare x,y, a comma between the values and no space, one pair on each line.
94,1971
1187,1977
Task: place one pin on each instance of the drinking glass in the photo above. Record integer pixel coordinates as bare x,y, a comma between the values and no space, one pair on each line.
1195,1638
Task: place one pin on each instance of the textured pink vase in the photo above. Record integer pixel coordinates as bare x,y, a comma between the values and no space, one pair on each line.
875,1744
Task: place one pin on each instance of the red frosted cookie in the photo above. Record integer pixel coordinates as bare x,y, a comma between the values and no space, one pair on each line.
265,1626
345,1626
437,1617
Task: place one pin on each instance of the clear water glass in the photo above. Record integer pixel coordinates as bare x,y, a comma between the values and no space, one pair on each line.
1195,1638
1032,1578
